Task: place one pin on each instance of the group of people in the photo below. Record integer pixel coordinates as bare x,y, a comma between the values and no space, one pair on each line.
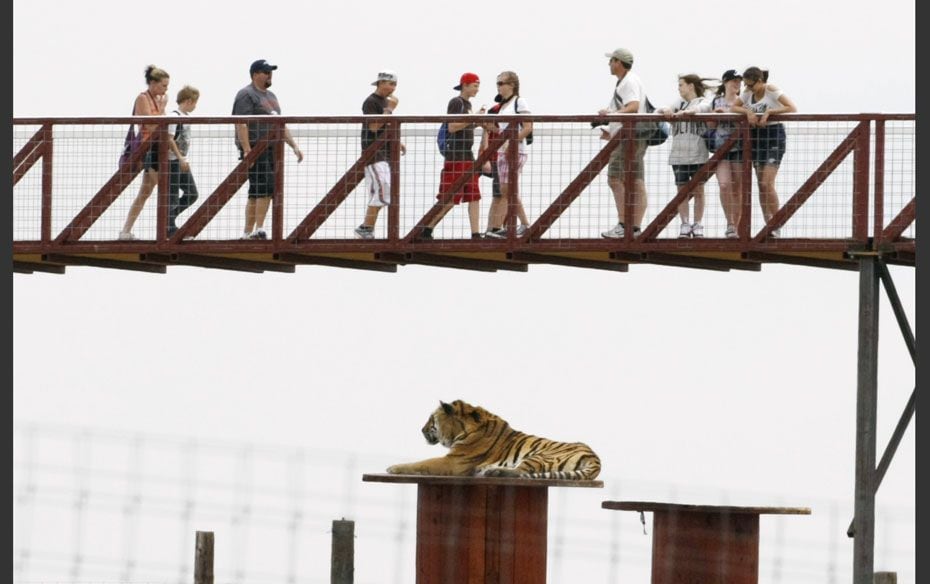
692,142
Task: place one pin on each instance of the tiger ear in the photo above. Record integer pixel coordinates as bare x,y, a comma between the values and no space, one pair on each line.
447,408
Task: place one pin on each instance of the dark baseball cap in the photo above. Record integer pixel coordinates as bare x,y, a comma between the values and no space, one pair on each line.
262,65
730,74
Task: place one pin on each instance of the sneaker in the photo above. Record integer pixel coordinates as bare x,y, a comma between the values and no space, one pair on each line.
426,234
245,235
365,232
730,233
259,234
521,230
477,236
697,230
496,233
775,234
615,233
126,236
685,231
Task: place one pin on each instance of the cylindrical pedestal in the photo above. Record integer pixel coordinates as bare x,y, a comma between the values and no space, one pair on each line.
700,547
481,534
481,530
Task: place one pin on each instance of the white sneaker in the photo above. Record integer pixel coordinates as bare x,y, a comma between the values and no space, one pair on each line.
126,236
697,230
775,234
685,231
521,230
615,233
364,232
730,233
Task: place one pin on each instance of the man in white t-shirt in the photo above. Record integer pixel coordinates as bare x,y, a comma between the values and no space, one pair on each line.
629,98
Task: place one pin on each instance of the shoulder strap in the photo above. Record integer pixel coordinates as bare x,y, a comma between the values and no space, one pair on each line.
178,127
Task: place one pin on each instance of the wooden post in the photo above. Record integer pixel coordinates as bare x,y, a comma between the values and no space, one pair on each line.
886,578
203,558
343,561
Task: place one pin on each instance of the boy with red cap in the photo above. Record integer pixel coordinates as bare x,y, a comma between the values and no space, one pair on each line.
459,158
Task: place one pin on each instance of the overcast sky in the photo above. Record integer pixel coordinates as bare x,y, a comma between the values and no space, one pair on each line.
739,381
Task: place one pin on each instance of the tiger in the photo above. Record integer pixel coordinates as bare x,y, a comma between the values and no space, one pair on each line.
482,444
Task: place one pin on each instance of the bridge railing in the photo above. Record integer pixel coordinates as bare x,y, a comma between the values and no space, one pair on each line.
843,177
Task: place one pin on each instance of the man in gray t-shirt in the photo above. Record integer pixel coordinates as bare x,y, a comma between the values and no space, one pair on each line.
256,99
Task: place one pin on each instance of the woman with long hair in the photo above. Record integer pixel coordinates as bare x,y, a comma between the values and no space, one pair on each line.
151,102
760,100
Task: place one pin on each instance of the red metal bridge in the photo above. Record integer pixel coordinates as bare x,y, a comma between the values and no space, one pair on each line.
846,187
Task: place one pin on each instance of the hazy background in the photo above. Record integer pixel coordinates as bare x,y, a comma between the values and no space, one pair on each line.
147,406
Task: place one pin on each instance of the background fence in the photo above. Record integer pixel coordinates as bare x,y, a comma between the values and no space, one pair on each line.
92,505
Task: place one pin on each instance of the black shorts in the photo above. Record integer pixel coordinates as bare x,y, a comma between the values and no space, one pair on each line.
734,154
151,157
261,175
685,172
768,144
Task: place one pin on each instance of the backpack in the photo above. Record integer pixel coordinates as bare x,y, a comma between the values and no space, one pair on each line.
529,137
653,133
660,133
441,138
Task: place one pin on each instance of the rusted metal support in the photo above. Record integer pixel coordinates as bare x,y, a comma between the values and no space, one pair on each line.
860,202
335,262
47,182
76,260
878,188
866,413
20,267
901,221
557,260
393,136
464,263
782,258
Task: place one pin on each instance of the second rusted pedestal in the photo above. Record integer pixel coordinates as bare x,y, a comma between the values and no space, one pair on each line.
481,530
694,544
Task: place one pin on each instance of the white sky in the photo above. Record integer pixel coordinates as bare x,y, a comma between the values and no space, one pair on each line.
736,381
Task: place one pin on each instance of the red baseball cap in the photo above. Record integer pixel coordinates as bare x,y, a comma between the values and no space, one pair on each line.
465,80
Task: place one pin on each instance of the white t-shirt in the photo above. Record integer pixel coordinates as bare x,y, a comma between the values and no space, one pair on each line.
769,100
629,89
512,107
687,144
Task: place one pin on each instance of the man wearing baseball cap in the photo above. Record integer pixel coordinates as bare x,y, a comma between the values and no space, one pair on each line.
459,158
378,171
629,97
255,99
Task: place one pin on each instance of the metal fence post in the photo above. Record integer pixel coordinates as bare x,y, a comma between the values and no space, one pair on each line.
203,558
343,561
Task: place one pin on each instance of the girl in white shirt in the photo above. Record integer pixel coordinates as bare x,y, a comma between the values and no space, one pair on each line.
508,86
760,100
689,153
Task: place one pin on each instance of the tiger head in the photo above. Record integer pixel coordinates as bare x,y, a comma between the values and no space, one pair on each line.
453,422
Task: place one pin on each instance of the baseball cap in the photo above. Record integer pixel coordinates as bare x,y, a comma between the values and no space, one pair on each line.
622,55
465,80
385,75
729,75
261,65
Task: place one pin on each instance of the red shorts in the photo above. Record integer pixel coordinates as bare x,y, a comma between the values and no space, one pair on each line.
451,171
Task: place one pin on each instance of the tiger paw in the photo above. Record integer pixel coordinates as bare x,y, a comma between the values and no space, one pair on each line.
496,471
